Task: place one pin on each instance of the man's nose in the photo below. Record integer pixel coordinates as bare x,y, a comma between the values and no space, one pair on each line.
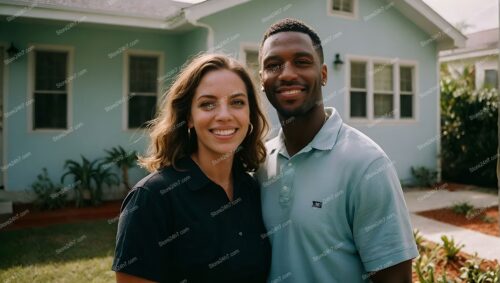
288,72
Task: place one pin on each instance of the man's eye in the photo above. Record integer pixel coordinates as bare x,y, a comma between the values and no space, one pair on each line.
303,62
207,105
273,67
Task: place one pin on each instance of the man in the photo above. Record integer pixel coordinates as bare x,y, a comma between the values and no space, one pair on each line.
331,200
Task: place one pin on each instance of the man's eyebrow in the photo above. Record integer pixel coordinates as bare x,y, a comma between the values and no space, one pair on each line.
296,54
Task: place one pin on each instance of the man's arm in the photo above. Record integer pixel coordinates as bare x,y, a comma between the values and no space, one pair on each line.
399,273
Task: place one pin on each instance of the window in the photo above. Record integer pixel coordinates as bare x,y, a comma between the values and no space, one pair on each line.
343,6
379,89
252,63
406,91
383,91
50,89
358,89
491,78
142,89
346,8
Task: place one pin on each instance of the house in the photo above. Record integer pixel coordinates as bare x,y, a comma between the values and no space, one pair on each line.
79,77
481,52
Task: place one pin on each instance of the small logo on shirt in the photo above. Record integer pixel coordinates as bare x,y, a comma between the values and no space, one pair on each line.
317,204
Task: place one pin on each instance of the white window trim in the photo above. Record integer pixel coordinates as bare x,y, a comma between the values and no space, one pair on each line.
345,15
31,85
370,61
126,55
5,129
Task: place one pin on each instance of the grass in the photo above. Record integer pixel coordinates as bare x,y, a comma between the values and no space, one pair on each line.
77,252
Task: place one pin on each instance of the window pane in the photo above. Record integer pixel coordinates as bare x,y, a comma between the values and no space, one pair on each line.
50,111
406,102
50,70
252,63
491,78
141,109
347,6
358,104
358,75
405,76
143,74
383,105
382,77
336,5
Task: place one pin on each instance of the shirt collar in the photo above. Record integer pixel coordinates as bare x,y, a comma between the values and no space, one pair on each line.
198,179
325,139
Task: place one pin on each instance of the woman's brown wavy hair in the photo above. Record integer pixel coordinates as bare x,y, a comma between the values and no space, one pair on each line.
169,139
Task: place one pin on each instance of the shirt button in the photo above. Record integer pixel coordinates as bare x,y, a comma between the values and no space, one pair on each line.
240,233
290,164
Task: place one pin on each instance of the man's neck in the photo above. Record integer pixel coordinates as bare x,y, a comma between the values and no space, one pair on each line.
302,130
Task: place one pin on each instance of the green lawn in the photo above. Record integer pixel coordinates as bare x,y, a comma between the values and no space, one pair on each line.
80,252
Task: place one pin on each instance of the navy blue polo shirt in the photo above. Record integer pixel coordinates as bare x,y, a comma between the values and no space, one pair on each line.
177,225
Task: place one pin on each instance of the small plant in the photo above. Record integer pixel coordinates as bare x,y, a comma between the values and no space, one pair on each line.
450,248
123,160
424,267
89,177
49,195
487,219
423,177
463,208
472,272
419,240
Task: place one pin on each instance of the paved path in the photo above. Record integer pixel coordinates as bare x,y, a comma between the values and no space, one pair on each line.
486,246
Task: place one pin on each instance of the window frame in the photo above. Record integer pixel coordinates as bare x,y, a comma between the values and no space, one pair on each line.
126,81
249,47
31,86
342,14
370,117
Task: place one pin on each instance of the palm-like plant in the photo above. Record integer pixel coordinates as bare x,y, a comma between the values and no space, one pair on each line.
89,176
123,160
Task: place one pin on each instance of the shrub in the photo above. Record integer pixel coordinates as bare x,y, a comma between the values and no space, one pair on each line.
471,272
423,177
463,208
50,196
123,160
469,131
89,177
450,248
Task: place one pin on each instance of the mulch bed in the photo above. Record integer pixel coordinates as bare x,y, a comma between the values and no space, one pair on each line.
475,222
26,215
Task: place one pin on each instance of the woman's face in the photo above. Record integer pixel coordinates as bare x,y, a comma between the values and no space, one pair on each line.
220,113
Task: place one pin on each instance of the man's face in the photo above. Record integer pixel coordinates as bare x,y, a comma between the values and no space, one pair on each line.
291,73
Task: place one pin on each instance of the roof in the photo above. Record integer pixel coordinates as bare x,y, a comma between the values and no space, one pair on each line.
151,14
172,15
478,44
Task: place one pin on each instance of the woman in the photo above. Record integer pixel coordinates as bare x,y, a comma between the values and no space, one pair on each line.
197,217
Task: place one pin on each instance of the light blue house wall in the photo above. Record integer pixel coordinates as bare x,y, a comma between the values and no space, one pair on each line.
386,33
98,87
379,31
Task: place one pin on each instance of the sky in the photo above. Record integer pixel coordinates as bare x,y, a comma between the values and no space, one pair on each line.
480,14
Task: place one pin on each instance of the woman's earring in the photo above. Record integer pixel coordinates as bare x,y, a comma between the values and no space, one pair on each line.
323,83
251,128
189,133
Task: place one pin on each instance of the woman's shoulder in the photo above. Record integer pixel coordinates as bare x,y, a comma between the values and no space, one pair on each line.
161,179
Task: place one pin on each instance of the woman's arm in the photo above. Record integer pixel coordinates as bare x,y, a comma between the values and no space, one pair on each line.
126,278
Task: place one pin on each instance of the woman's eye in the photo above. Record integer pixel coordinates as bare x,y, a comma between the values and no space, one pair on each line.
238,102
207,105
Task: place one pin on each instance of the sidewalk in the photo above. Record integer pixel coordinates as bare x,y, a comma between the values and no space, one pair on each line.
486,246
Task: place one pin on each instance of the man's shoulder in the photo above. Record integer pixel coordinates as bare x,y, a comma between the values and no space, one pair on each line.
356,146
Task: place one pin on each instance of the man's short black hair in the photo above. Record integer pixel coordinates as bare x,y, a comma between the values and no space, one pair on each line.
296,26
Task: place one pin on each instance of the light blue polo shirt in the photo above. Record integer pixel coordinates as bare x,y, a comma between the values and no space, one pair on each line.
334,211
